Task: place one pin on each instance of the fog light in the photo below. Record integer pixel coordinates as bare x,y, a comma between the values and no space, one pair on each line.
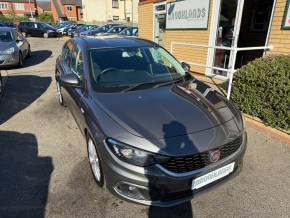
131,191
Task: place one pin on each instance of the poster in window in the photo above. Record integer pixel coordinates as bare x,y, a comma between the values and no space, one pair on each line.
286,19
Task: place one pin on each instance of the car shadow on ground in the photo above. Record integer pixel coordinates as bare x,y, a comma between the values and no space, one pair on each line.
182,210
37,57
20,92
24,176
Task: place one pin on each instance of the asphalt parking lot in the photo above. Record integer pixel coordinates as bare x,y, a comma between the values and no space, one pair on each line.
45,173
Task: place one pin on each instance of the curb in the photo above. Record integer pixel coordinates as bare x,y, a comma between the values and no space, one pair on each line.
269,131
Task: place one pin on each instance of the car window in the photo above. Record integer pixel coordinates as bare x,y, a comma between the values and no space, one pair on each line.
66,54
30,25
132,66
80,63
5,36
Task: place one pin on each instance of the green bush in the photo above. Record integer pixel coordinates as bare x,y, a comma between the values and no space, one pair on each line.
262,89
10,18
45,17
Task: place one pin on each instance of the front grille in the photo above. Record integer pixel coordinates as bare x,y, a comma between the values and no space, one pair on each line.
197,161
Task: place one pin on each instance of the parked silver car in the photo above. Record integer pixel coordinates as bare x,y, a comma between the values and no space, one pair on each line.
14,47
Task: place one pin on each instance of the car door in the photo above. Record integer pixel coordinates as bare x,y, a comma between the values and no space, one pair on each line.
73,95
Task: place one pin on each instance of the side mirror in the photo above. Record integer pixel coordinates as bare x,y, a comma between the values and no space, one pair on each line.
70,80
185,66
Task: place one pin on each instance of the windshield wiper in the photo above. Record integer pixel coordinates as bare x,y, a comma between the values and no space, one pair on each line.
137,86
181,79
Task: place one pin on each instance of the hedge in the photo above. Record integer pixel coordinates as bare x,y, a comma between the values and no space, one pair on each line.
262,89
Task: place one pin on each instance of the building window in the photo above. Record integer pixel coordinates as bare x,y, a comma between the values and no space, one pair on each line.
19,6
116,18
115,3
69,7
3,6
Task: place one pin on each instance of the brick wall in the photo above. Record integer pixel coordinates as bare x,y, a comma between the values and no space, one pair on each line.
145,12
26,10
280,39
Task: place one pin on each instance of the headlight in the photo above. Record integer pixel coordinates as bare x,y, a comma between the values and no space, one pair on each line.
134,155
8,51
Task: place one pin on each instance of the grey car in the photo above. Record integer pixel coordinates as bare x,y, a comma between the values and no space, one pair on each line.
14,47
155,135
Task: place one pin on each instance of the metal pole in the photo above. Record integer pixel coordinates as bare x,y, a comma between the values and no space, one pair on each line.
132,13
30,9
232,74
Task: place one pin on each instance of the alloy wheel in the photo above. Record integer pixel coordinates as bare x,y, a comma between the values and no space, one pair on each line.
94,161
58,91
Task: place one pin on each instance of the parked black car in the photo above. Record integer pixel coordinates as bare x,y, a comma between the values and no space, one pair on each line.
40,29
157,135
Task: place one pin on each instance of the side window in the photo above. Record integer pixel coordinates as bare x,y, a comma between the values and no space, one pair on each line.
65,55
80,64
74,53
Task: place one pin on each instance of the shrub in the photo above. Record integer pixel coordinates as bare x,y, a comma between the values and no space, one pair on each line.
45,17
262,89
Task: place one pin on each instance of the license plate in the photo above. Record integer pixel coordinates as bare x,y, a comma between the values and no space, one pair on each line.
212,176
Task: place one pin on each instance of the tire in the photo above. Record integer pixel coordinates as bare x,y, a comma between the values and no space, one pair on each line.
59,95
95,162
20,61
1,84
29,54
45,35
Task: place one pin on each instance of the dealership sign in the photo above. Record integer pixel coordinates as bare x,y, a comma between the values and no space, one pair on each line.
187,14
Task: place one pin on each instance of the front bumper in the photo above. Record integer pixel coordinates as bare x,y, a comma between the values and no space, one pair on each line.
54,34
156,185
9,60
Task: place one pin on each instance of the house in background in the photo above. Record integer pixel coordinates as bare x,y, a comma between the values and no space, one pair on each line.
18,7
63,10
43,7
110,10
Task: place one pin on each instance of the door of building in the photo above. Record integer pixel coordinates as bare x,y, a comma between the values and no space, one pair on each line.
235,21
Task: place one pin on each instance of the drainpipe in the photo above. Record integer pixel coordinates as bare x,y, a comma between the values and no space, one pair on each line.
31,15
36,10
132,13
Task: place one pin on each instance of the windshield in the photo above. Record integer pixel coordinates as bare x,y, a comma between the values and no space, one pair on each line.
132,66
5,36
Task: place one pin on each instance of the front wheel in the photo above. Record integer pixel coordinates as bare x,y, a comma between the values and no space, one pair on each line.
95,162
45,35
59,95
29,53
20,61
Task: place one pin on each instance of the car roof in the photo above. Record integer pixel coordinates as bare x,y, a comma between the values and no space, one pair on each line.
114,42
